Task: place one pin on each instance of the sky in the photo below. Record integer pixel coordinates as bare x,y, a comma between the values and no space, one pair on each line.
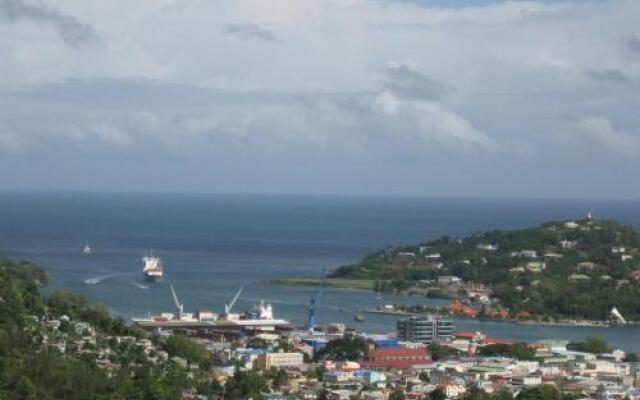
435,98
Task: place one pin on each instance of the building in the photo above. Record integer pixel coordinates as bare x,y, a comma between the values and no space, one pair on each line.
487,247
400,358
425,329
279,360
449,280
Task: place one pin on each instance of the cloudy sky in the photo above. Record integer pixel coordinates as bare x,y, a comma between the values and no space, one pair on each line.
442,98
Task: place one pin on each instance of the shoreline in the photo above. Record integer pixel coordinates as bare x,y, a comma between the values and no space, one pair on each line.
363,284
568,323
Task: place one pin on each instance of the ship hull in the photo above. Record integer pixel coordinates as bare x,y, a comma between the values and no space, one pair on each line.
152,278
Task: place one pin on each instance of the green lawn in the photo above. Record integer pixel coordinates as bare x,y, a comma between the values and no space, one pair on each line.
366,284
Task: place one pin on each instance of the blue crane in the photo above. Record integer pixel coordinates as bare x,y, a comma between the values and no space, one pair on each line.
314,302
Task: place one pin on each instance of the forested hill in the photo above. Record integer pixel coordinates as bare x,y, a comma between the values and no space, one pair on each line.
61,346
559,269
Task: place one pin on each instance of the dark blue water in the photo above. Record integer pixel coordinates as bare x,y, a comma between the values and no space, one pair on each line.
213,244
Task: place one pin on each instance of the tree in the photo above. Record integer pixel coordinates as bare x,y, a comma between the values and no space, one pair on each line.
437,394
397,394
519,351
348,348
182,346
257,343
438,351
592,344
540,392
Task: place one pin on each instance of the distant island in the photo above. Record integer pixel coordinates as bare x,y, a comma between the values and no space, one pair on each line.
578,269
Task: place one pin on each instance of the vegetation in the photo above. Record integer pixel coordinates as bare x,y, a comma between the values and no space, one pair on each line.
519,351
439,352
580,270
365,284
348,348
592,344
32,369
186,348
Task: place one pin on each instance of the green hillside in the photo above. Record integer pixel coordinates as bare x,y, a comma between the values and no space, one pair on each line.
560,269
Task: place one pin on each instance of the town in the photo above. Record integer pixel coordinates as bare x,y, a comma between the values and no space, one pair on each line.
426,358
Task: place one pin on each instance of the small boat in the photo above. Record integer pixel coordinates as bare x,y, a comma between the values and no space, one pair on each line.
358,317
86,249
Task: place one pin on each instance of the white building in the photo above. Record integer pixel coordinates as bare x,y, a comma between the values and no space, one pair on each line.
279,360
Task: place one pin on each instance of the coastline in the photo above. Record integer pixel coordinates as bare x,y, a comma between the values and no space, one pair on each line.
570,323
362,284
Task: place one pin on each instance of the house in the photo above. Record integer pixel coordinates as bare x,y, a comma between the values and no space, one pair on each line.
525,254
586,266
618,250
486,247
452,390
626,257
552,255
432,256
568,244
578,278
338,376
526,380
535,266
406,254
571,225
449,280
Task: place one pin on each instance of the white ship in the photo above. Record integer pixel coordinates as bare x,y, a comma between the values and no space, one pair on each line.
152,269
86,249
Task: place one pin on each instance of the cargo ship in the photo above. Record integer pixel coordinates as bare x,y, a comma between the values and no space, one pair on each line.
258,319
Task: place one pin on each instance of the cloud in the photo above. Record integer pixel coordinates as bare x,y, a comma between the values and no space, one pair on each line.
74,32
412,84
609,76
251,31
632,45
600,132
357,85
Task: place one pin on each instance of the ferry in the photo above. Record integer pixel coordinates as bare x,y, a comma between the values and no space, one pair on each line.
152,269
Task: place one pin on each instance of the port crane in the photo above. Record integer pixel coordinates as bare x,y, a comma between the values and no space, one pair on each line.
179,305
228,307
314,302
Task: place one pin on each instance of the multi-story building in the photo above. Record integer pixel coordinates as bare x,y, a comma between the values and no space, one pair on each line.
425,329
266,361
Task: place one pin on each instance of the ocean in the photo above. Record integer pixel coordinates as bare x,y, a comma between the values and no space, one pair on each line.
212,245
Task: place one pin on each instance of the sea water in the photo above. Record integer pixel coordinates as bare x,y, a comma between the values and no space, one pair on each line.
212,245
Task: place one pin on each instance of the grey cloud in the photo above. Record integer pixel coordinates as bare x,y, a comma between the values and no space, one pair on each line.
632,44
74,32
409,83
251,31
609,76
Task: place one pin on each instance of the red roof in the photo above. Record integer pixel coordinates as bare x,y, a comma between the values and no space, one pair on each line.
467,334
490,341
397,358
398,352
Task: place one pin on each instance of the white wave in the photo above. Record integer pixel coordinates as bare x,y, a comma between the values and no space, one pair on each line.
97,279
140,285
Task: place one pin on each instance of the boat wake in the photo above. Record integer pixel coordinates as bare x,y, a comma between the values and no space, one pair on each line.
140,286
98,279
